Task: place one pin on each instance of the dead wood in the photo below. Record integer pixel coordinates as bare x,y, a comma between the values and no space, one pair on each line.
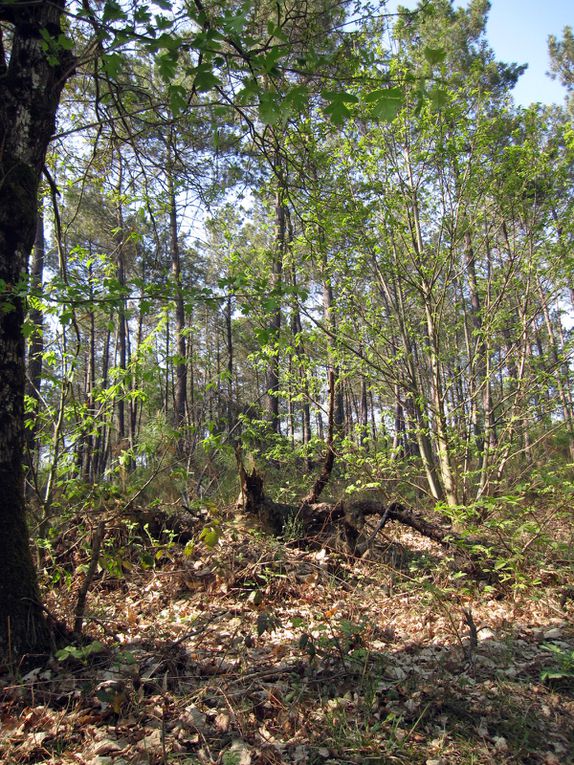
319,517
83,594
324,517
329,461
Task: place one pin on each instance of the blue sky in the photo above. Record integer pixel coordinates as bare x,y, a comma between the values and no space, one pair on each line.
518,31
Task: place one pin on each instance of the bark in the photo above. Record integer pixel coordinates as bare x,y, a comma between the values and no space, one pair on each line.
86,444
92,568
36,346
272,375
441,435
329,319
438,399
101,451
413,403
30,89
561,370
364,414
231,417
122,318
180,392
329,460
301,355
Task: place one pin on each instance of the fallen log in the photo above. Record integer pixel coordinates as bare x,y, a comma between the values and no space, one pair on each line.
316,517
320,517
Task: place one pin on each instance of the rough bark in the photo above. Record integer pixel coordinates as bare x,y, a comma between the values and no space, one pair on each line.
30,88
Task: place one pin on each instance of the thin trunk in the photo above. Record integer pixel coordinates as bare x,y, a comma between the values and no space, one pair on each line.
302,357
101,448
330,323
36,346
329,459
561,374
122,328
364,413
414,398
272,377
180,392
230,364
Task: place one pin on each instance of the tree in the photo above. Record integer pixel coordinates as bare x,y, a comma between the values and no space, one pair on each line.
562,58
30,87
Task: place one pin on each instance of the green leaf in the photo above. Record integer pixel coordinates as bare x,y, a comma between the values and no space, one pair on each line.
66,43
269,108
233,23
276,31
112,63
231,758
177,95
249,90
167,66
386,104
267,63
80,652
434,55
142,15
210,536
438,98
28,328
337,109
166,41
113,11
295,100
204,79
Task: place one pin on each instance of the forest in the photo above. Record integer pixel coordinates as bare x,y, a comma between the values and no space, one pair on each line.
286,387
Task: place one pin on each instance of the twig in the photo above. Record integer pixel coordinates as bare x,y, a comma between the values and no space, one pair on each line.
83,594
380,525
473,633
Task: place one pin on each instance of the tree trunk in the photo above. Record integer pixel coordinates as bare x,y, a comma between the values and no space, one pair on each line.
122,347
36,347
180,364
272,376
29,96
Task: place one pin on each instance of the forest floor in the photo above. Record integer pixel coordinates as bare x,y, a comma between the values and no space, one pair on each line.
260,651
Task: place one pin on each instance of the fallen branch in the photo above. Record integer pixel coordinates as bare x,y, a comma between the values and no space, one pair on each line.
83,594
318,517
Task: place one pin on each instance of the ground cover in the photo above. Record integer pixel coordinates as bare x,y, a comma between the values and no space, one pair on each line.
260,650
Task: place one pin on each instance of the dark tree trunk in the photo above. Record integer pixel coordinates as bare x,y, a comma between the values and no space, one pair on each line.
364,414
30,89
180,364
329,461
